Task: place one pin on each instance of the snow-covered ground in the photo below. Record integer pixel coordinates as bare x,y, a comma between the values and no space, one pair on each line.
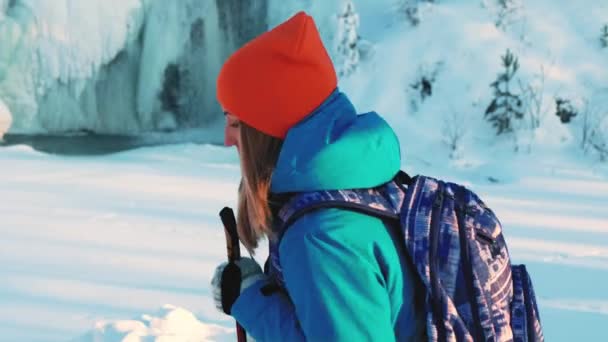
121,247
89,240
97,248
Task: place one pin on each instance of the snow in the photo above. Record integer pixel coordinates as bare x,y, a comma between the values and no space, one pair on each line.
122,246
5,119
109,238
175,324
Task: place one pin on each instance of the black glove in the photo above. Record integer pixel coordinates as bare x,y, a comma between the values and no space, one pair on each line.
231,279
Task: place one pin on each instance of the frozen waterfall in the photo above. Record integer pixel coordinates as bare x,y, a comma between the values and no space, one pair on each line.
117,66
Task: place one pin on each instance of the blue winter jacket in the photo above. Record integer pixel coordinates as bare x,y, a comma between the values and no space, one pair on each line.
346,273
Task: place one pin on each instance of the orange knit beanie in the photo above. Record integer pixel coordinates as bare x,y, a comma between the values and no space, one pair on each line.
278,78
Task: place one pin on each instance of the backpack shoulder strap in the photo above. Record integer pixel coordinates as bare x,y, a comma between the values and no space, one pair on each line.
402,178
383,202
354,200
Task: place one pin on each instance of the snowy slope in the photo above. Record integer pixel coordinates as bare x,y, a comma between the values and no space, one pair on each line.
457,42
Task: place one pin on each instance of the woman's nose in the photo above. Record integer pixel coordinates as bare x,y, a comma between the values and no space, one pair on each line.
230,138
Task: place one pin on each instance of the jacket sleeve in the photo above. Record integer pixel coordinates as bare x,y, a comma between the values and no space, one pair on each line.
267,318
334,278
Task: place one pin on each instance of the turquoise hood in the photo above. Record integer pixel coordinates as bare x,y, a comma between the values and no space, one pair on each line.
334,148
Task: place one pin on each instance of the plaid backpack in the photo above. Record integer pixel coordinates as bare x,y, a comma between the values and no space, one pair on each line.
457,247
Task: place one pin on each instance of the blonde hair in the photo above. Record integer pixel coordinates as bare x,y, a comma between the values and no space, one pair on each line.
259,155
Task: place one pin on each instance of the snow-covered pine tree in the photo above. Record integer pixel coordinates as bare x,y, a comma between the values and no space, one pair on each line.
506,105
507,12
423,85
604,37
594,130
408,10
564,109
348,38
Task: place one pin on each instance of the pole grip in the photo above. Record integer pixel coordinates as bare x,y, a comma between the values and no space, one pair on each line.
233,249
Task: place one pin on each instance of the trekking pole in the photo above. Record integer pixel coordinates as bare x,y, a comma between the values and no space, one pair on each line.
233,251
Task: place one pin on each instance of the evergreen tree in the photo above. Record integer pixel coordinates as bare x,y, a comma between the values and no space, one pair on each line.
564,110
506,105
508,11
348,38
604,36
408,10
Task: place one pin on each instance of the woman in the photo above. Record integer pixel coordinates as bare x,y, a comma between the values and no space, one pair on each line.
346,277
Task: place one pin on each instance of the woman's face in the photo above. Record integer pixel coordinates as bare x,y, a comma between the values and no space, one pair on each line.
232,131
